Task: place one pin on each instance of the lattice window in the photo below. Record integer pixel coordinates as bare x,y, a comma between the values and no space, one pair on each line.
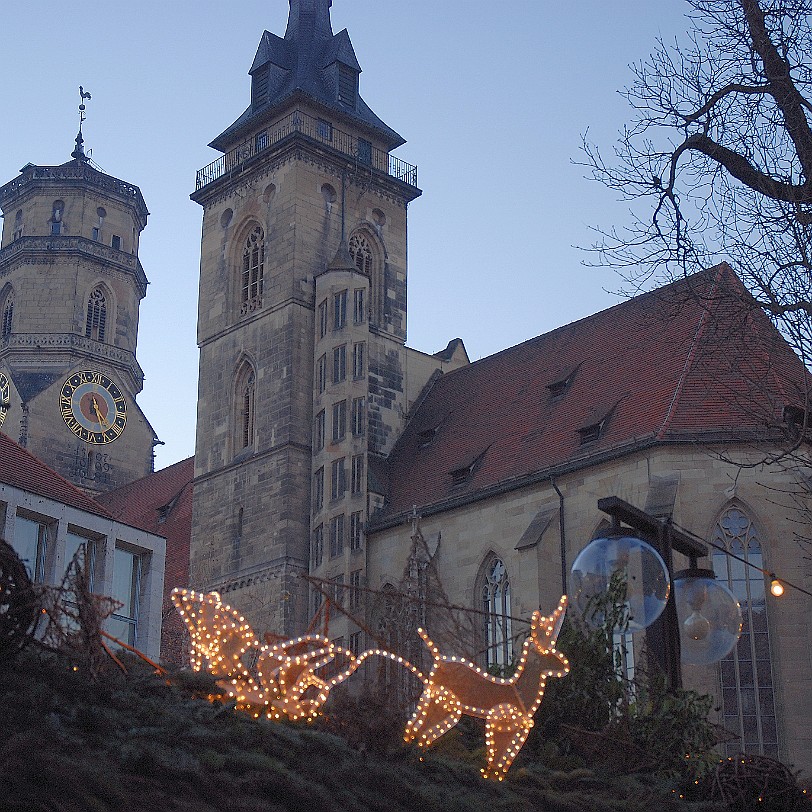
495,597
8,317
253,271
361,252
748,701
96,323
245,408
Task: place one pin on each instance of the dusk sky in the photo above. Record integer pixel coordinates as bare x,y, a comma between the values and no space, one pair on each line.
492,98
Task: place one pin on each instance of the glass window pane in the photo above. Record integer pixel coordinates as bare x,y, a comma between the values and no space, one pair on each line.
29,543
125,581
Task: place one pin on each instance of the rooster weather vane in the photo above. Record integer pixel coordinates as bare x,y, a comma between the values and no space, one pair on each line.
79,152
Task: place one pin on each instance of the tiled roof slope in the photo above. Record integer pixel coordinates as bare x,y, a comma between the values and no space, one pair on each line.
691,361
20,469
162,504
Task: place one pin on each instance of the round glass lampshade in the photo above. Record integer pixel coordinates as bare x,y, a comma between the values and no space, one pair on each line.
710,618
620,576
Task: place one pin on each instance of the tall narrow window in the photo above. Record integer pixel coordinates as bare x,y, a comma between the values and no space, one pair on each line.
127,572
96,322
356,579
358,415
358,360
498,632
363,255
364,151
356,530
339,363
336,536
31,544
115,242
323,319
339,309
321,373
18,225
339,421
748,702
357,481
318,432
339,479
8,317
359,308
84,551
317,547
253,271
318,490
245,408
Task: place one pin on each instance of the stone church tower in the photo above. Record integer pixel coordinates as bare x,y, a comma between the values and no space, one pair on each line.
301,328
70,290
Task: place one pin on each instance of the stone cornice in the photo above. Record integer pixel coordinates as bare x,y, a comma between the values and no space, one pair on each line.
44,344
43,249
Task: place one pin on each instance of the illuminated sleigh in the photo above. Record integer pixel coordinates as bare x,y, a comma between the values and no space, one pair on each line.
293,678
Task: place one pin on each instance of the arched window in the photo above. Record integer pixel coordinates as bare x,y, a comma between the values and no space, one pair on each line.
363,254
748,703
495,603
253,271
8,317
245,408
18,225
96,322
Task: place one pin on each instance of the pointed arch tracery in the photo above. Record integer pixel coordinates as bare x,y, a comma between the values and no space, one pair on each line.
96,317
493,588
252,271
365,254
8,314
244,407
748,701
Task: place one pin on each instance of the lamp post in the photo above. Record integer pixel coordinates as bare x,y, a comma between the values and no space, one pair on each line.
696,621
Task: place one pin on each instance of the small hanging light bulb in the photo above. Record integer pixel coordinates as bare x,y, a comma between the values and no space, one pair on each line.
776,587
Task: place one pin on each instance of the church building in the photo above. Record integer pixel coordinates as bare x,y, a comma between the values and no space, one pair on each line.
346,482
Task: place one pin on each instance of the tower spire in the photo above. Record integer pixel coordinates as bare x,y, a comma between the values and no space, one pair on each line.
308,20
79,151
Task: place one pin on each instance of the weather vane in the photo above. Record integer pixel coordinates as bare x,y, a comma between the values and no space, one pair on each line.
79,152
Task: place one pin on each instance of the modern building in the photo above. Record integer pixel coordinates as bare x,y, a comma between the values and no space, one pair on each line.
48,520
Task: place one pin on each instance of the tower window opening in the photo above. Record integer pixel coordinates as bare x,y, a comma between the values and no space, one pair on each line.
115,242
8,317
18,225
57,210
253,271
96,323
247,412
347,85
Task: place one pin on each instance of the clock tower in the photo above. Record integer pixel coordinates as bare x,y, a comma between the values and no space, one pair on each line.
301,327
70,290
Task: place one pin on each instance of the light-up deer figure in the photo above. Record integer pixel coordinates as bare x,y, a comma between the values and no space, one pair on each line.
456,687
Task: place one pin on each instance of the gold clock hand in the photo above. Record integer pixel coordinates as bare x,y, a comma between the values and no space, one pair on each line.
102,421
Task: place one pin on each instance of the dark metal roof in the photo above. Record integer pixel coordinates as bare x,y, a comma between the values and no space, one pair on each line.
304,62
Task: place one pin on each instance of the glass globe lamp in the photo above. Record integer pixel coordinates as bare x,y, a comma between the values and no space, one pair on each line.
620,577
710,618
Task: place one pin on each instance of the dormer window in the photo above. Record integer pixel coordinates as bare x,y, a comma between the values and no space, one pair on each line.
465,472
347,85
592,432
426,436
259,88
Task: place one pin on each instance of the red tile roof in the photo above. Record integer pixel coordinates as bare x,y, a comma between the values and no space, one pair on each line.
20,469
162,504
691,361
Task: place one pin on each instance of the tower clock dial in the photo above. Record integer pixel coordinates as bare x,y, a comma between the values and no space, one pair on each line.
5,394
93,407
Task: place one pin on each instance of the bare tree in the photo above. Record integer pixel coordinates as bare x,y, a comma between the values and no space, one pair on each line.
717,160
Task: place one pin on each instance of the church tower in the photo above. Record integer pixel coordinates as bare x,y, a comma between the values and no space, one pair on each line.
301,326
70,291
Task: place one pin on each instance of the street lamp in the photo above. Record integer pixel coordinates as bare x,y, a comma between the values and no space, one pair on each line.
697,622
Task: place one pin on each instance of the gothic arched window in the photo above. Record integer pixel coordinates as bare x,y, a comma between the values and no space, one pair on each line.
96,322
748,702
245,408
495,603
363,254
253,271
8,317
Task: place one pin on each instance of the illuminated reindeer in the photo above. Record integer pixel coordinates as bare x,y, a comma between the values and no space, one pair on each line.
456,687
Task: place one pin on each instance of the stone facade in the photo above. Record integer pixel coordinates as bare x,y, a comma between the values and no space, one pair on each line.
73,228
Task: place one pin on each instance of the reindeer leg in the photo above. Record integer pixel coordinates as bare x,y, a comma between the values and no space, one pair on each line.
437,712
506,729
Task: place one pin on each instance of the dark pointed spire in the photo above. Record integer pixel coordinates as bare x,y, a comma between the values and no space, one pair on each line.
309,20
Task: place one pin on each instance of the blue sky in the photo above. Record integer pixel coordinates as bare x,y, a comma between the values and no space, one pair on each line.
492,97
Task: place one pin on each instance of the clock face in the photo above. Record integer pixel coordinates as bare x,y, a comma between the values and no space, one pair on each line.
93,407
5,394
